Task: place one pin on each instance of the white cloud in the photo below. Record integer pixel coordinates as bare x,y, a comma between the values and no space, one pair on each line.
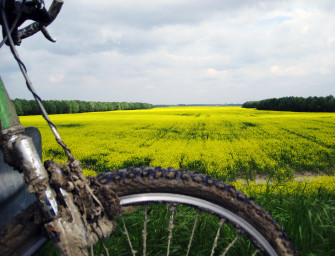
213,73
56,78
150,87
201,91
288,71
234,50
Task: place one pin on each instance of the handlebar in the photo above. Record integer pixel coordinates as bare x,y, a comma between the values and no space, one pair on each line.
14,14
35,27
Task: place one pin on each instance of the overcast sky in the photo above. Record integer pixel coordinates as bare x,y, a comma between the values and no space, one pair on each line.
180,51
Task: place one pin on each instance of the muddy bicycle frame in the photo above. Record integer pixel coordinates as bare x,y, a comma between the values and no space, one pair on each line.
19,151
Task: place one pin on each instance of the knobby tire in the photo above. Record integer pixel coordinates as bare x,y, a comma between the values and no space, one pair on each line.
158,182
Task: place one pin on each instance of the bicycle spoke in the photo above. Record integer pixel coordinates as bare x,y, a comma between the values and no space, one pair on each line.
176,224
230,245
221,222
105,248
192,235
144,232
257,251
127,235
173,209
92,252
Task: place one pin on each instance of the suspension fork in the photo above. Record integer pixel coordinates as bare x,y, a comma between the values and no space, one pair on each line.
19,152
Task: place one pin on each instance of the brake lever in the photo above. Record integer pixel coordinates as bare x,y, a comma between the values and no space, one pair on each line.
47,35
35,27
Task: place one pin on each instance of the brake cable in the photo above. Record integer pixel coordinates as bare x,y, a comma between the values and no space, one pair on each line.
29,83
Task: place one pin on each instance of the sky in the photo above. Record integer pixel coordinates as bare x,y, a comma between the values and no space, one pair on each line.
180,52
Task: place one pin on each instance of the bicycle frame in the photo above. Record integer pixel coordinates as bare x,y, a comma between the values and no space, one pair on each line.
61,213
19,152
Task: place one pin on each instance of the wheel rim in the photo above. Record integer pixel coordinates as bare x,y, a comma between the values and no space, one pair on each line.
205,206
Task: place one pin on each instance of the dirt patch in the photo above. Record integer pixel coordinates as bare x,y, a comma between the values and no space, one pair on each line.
307,176
298,176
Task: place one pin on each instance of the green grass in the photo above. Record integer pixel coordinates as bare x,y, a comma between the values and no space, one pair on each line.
157,230
308,218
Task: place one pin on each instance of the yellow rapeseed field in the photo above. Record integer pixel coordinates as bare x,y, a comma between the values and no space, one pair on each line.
285,160
225,142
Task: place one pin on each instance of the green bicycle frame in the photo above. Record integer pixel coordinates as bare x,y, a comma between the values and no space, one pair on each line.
18,149
8,114
20,153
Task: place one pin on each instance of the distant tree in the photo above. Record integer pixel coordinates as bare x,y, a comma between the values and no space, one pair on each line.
310,104
30,107
34,107
330,103
26,108
82,106
93,106
50,107
18,107
74,106
67,107
59,106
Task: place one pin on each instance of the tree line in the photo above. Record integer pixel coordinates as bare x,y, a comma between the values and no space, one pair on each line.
298,104
29,107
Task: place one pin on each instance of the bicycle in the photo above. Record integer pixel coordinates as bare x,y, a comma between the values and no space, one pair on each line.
77,212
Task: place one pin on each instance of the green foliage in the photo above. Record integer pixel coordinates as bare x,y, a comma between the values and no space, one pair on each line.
299,104
196,165
136,162
18,106
29,107
307,217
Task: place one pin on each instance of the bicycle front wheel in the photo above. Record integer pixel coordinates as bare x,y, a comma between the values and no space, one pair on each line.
176,212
